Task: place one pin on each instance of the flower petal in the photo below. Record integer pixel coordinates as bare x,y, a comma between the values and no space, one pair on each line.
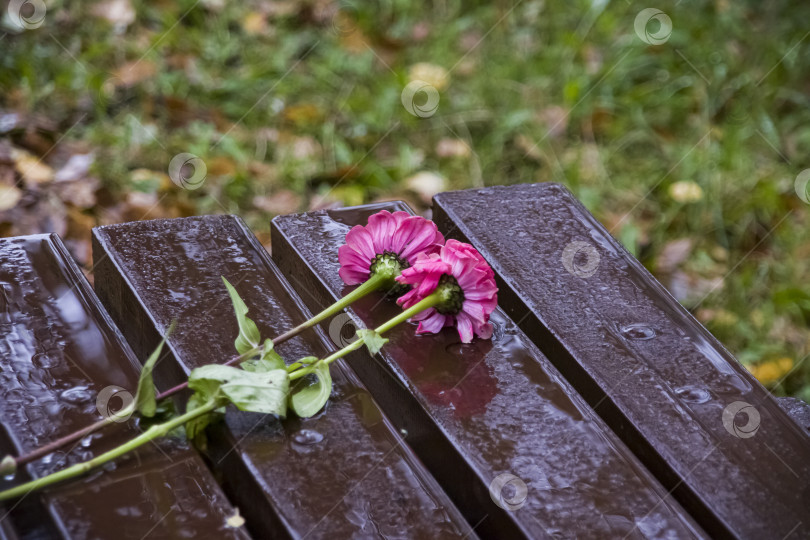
351,276
432,324
422,235
381,226
484,331
361,240
465,327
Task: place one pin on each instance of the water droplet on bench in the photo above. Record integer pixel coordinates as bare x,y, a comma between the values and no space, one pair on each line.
307,437
638,331
693,394
129,511
77,395
460,349
186,532
44,361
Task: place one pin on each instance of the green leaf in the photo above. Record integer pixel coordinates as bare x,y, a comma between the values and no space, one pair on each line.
164,412
309,400
268,361
260,392
264,392
372,339
145,396
206,382
195,428
309,359
249,336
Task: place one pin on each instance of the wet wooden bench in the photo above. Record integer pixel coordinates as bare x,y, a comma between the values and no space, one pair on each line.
59,352
599,409
342,473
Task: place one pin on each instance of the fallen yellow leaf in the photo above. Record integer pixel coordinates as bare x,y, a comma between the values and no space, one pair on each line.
771,371
9,197
305,113
426,184
435,75
685,192
254,23
134,72
33,170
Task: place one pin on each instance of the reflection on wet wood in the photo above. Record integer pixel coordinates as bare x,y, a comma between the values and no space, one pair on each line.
701,423
343,473
489,414
59,351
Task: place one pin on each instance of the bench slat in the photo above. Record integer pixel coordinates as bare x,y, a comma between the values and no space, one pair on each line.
473,412
657,377
343,473
59,349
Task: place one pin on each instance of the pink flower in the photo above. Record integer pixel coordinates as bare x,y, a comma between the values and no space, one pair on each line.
390,242
466,283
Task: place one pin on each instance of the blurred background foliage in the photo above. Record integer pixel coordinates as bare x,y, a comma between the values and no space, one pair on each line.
687,151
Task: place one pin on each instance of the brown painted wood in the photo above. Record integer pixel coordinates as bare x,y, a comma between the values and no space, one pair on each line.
797,409
657,377
474,412
59,350
344,473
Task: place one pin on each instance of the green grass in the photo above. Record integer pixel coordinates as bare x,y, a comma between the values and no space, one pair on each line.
302,106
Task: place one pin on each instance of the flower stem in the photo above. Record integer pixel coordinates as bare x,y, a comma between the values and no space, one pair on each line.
375,282
78,469
372,284
161,430
43,451
426,303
